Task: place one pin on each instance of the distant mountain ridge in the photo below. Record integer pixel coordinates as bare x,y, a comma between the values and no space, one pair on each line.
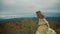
34,18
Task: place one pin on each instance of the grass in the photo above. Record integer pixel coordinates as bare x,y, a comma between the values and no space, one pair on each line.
26,26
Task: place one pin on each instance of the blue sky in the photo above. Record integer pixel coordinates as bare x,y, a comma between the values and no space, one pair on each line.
27,8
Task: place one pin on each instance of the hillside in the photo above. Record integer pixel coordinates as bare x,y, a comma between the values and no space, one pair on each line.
26,25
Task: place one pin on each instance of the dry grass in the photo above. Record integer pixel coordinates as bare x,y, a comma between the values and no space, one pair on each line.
27,26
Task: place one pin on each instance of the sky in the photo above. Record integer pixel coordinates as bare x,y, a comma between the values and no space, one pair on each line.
28,8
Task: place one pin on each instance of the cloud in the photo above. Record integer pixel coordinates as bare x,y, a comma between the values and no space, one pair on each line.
28,7
28,4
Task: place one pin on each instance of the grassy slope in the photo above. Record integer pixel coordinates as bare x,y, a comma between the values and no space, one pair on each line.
26,26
